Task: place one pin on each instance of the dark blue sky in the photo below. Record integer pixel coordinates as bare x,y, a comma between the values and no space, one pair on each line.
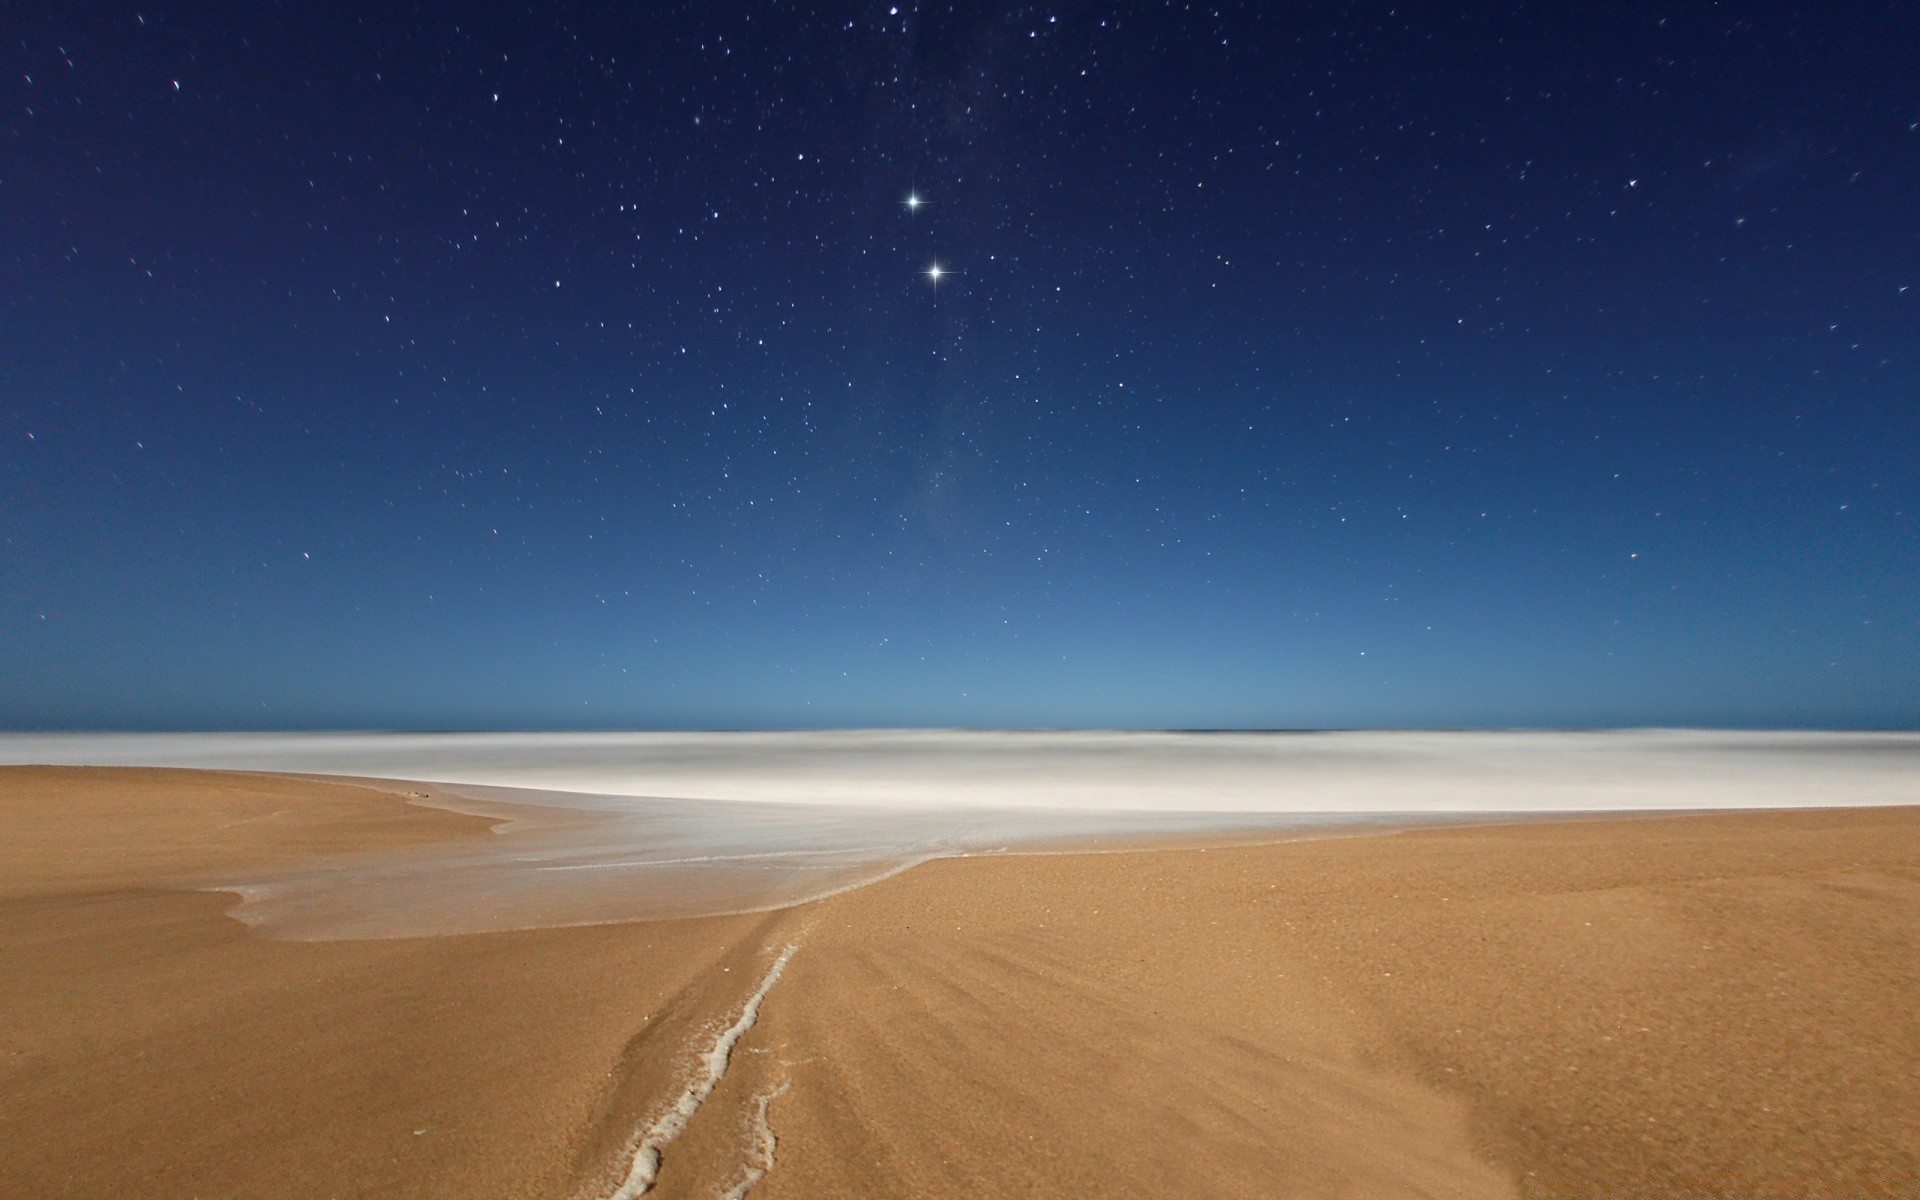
1293,365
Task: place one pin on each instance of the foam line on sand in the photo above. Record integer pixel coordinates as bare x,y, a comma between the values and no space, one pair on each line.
760,1147
645,1167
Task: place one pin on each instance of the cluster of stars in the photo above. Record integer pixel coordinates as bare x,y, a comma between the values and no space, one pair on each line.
1159,333
934,272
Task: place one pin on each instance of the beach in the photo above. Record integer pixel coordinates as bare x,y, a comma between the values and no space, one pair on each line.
1698,1004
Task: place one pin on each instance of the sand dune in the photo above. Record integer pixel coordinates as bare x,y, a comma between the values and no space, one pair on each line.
1702,1005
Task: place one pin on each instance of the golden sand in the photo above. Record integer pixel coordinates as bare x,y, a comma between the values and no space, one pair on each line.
1661,1006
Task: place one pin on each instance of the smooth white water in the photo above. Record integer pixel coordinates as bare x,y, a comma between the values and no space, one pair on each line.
570,859
1342,771
615,826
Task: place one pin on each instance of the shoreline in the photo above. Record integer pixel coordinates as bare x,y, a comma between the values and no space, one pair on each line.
566,860
1470,1009
572,860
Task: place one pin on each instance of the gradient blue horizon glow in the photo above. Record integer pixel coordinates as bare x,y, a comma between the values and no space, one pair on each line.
571,368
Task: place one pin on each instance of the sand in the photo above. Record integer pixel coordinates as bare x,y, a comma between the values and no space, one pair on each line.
1715,1005
151,1046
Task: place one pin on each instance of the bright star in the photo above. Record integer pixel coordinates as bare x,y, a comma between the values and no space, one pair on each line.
913,202
934,273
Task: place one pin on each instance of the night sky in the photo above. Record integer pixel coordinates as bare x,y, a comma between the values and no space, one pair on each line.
1284,366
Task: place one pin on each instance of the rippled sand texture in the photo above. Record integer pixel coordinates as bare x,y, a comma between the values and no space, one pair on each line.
1700,1006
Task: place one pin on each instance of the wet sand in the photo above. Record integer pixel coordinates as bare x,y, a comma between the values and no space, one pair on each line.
1711,1005
152,1046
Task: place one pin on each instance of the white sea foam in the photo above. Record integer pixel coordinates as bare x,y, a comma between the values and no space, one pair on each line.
647,1148
761,1146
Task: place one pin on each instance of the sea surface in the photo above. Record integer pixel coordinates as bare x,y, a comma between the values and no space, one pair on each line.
599,827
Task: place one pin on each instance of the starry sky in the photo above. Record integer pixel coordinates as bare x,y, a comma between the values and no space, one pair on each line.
1151,365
